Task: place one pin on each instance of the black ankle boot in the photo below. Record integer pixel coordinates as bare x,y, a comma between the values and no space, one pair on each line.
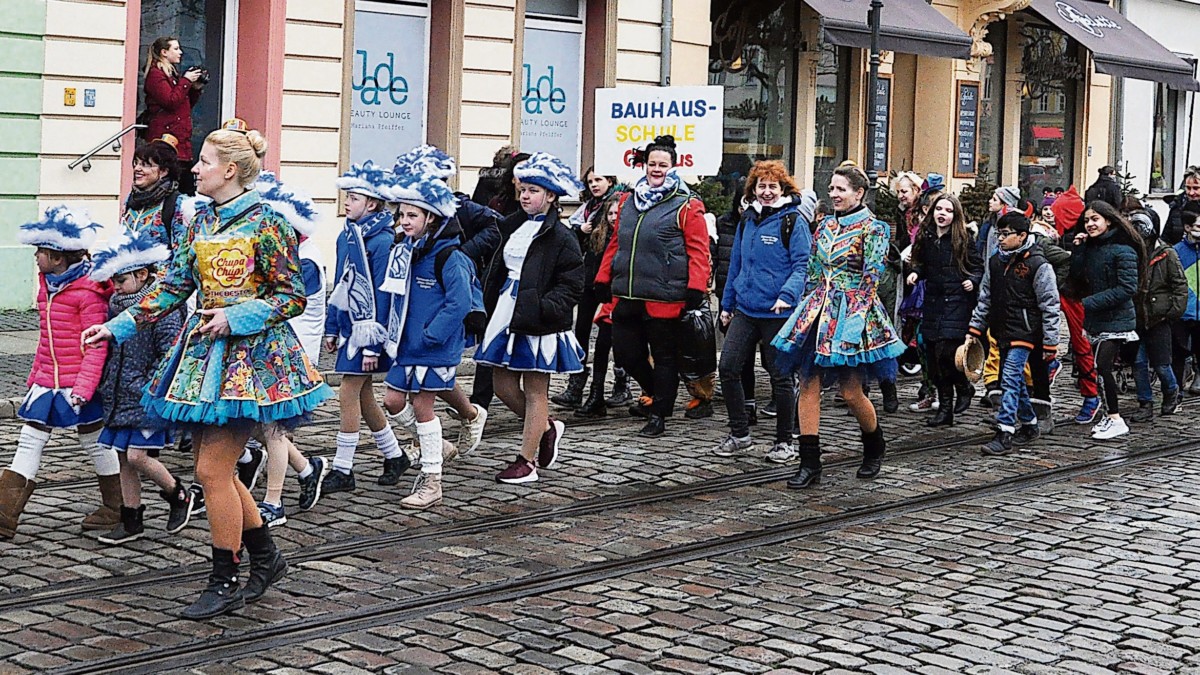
874,448
944,416
593,407
573,396
891,400
393,469
621,394
129,529
964,395
222,594
809,447
180,502
654,428
266,562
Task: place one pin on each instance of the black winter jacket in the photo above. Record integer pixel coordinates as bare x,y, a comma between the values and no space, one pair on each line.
480,230
1105,189
1172,232
132,363
722,250
1106,270
551,278
946,313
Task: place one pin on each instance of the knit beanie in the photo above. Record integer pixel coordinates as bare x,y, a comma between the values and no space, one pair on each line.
1008,195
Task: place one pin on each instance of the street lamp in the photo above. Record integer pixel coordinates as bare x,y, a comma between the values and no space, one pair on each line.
873,20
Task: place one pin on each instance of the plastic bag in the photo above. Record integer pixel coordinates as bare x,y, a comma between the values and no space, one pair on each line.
697,344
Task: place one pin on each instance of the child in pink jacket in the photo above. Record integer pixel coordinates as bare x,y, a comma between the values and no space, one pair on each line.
62,385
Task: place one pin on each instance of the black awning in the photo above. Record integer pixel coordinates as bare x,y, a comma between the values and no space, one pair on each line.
906,26
1118,47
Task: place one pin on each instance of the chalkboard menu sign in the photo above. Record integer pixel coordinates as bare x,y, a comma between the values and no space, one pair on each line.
967,137
883,115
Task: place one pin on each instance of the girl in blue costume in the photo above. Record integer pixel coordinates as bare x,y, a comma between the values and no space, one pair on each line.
237,363
840,329
357,324
434,288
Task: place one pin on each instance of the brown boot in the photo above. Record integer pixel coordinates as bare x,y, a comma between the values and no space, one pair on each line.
14,494
109,514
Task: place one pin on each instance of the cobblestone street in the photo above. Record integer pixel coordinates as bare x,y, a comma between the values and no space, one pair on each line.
639,556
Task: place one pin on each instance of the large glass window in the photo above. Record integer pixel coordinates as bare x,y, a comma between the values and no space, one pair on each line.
753,56
389,80
991,106
200,27
833,114
1162,149
1052,75
552,79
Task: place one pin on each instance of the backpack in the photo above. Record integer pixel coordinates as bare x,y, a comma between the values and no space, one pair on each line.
167,216
785,230
476,319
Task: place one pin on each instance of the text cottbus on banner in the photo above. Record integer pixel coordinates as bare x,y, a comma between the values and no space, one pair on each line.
629,118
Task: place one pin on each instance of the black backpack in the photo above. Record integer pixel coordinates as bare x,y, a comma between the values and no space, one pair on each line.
785,230
476,320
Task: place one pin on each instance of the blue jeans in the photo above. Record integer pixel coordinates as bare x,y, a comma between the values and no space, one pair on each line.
1014,398
1141,375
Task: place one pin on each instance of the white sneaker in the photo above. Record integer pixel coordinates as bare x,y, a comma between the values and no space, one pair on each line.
471,433
781,453
1116,427
1101,426
926,404
732,446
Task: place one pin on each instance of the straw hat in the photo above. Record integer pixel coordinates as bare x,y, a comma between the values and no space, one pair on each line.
969,358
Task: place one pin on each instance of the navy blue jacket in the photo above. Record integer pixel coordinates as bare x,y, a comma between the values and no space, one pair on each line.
762,268
1107,268
379,238
434,334
479,231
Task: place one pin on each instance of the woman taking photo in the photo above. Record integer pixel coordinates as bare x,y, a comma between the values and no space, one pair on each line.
170,97
840,332
945,258
241,259
657,265
766,278
587,221
1108,265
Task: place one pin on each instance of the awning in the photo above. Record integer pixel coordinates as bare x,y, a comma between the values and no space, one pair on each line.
1118,47
1047,133
906,26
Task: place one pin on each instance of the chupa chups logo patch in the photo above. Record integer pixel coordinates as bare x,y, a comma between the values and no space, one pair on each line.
230,267
1090,23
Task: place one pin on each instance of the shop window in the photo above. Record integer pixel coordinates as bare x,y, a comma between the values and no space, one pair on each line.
833,114
991,106
552,79
754,57
1052,70
389,79
1166,123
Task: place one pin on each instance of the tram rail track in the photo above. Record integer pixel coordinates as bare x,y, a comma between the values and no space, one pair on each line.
265,638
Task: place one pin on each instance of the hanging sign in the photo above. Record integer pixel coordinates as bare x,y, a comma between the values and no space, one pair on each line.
387,97
883,128
629,118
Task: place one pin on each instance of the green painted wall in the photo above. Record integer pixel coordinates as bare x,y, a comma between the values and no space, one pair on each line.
22,60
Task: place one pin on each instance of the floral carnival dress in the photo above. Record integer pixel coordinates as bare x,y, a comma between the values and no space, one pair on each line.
840,327
240,256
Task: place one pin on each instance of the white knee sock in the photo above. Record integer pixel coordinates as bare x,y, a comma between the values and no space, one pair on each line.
430,436
28,456
347,443
385,438
106,460
407,419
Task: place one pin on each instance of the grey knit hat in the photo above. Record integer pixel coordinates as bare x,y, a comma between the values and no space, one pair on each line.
1011,196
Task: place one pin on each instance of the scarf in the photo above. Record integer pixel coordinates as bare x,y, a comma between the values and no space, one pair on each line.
779,203
57,282
354,292
398,281
123,301
155,194
646,197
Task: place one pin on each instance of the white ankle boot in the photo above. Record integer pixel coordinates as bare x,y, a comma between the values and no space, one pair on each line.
427,492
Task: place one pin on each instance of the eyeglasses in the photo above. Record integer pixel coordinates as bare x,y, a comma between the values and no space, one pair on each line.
1004,233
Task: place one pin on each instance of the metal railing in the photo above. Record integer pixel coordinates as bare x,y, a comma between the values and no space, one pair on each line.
113,141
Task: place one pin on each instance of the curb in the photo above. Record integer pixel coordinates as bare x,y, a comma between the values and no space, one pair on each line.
9,406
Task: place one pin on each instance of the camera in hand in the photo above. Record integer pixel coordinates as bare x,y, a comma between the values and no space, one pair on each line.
204,76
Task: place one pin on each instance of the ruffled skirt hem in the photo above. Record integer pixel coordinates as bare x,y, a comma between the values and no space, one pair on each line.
52,408
290,413
413,379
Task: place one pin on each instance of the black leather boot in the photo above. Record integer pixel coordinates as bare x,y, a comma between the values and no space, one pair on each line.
573,395
964,395
654,428
266,562
874,448
621,394
222,594
594,407
891,400
809,447
944,416
394,468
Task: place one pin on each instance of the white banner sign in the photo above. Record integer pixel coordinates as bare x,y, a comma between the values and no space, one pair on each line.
550,106
628,118
387,104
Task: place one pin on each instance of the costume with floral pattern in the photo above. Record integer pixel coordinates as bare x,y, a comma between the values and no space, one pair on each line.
840,326
240,256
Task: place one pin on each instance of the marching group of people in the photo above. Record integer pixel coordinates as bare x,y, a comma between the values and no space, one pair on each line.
202,322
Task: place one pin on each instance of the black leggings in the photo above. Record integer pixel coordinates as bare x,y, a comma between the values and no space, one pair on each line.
636,339
1185,343
942,371
1106,352
585,313
604,343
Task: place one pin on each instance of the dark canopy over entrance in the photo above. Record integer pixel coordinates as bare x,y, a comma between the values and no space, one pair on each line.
1118,47
907,27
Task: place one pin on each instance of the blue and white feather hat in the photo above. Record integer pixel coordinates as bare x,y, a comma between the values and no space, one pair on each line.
127,252
550,173
61,229
295,207
426,192
425,160
367,179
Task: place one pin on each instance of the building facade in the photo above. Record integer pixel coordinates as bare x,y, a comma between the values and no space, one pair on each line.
1000,90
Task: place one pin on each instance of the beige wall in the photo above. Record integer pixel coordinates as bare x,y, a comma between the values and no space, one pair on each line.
490,55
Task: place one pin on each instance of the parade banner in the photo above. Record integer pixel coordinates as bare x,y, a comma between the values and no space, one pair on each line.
387,102
550,105
628,118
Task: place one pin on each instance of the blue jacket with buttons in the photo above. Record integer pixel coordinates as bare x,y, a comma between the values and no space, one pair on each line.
434,334
762,269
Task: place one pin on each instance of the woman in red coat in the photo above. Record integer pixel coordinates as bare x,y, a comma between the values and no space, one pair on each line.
169,100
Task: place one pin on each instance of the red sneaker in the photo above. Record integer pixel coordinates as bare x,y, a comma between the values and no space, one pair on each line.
548,448
520,471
